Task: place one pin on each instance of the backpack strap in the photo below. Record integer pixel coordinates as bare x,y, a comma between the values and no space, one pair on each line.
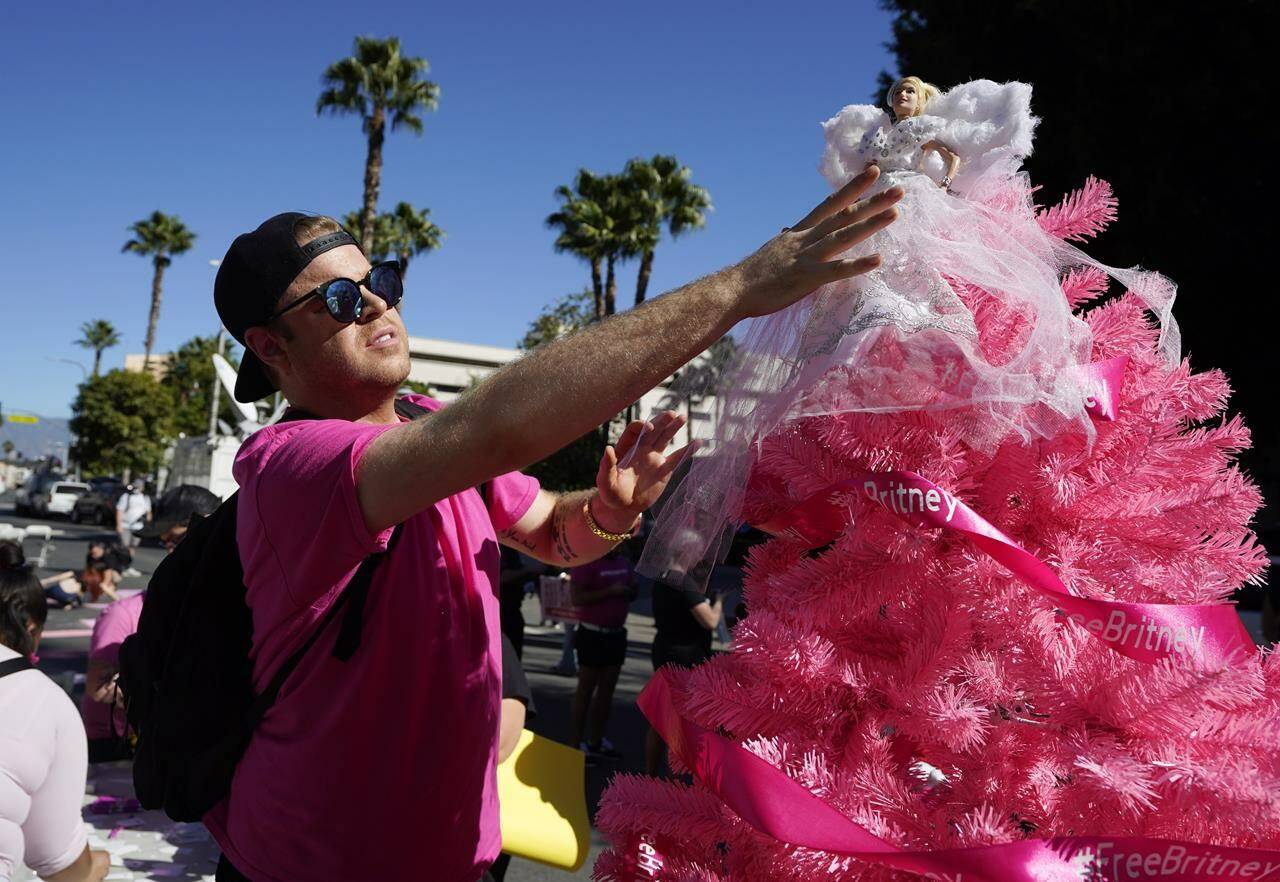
14,665
356,594
358,587
353,622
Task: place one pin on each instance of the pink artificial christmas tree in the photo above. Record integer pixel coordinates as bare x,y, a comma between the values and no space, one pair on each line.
927,693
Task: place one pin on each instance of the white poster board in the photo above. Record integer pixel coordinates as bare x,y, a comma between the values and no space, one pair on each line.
557,599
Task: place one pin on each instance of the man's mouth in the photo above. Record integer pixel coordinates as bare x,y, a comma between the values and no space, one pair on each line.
386,338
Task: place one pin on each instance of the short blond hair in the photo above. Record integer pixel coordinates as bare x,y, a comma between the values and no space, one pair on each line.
925,92
307,229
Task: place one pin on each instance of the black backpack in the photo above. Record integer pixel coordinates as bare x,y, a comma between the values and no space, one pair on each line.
186,675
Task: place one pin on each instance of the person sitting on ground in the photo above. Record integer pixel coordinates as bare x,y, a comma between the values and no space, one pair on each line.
61,590
99,576
43,761
602,591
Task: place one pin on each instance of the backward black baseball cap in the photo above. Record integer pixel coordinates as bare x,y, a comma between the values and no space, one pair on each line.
258,268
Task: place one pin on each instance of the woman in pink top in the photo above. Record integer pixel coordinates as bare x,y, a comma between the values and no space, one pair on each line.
43,756
602,591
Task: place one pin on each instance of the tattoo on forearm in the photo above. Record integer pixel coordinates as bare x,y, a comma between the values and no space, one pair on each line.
560,535
523,541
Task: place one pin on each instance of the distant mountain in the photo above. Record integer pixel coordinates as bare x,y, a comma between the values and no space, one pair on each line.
36,440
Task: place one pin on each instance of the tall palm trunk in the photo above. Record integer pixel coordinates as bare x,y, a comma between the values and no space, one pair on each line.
610,289
597,287
403,258
156,282
642,280
97,359
372,177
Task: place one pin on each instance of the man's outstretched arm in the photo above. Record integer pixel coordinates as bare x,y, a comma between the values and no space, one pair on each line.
533,407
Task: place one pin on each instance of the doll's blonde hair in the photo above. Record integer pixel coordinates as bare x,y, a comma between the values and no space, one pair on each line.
925,92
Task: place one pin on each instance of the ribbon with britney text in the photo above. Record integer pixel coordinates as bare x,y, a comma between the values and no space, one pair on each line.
1146,632
782,808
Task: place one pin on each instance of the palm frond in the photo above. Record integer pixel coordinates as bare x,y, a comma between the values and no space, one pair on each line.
159,236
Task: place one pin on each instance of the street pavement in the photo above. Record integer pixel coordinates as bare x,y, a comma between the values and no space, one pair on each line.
147,845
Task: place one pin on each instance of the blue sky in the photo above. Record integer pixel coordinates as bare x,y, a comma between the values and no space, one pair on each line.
113,110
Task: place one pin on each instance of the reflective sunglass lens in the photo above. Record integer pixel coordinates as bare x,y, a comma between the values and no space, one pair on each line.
344,300
385,282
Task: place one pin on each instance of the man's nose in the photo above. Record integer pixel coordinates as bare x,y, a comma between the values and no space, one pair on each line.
374,306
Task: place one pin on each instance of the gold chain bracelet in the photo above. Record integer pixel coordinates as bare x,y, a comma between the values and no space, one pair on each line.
600,531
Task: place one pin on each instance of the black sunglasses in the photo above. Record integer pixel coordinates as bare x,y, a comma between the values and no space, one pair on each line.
343,299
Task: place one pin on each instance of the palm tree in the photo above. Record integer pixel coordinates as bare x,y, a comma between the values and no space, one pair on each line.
577,237
377,246
159,237
375,82
98,335
662,193
403,233
597,223
412,233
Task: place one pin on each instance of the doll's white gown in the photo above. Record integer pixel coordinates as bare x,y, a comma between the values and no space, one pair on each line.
901,337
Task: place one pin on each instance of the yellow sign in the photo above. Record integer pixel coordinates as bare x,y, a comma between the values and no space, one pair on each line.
22,418
542,797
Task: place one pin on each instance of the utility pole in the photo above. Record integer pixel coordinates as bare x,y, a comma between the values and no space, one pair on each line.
217,389
217,386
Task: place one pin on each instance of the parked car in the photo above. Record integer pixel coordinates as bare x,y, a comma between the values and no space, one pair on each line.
59,498
98,506
37,486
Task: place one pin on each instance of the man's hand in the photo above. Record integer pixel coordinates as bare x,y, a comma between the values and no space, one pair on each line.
800,260
633,475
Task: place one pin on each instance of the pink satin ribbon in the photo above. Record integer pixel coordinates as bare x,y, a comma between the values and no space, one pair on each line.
1147,632
782,808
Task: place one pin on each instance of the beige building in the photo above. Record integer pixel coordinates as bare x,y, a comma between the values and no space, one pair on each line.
159,363
449,367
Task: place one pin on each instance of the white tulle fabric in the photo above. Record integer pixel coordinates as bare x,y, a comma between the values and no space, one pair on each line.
899,338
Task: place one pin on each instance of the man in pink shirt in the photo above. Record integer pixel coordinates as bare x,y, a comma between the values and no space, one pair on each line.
383,766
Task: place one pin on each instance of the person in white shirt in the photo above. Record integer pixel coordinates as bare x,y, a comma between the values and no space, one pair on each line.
133,512
44,755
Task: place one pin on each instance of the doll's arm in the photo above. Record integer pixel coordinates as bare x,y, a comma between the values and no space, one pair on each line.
948,155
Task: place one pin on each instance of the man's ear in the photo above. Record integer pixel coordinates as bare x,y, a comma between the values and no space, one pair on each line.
268,346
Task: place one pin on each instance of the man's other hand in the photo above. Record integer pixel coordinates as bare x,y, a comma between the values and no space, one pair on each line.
634,473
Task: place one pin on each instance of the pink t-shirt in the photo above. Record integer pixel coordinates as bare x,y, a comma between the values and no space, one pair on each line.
115,623
382,767
611,612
